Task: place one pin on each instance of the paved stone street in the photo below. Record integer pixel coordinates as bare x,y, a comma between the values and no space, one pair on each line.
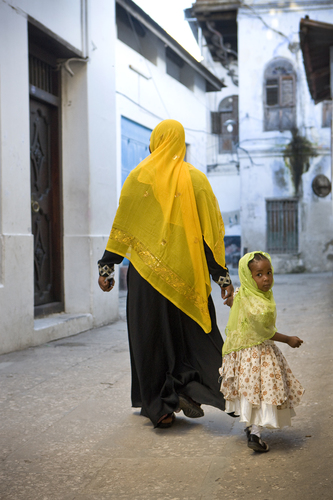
68,431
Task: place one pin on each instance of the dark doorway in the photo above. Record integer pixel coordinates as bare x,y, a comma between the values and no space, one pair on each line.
45,185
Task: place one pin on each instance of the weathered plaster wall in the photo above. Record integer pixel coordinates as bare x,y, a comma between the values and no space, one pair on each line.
274,33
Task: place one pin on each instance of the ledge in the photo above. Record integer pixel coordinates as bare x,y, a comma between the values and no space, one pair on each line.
59,326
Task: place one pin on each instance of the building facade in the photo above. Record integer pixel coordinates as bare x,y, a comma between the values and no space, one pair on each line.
57,167
156,79
275,135
82,84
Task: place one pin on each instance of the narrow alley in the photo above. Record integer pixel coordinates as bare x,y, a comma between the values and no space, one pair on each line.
68,431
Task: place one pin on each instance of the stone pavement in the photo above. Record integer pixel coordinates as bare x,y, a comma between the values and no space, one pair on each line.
67,431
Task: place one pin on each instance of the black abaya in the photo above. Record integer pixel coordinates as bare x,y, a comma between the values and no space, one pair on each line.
170,353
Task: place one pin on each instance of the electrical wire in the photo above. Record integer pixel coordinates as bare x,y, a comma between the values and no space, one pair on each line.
148,68
195,158
139,105
198,162
203,104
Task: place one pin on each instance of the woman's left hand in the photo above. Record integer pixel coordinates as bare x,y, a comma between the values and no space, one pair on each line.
227,294
105,284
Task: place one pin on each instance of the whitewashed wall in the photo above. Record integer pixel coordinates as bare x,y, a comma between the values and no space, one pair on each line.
225,177
88,165
158,98
16,288
263,172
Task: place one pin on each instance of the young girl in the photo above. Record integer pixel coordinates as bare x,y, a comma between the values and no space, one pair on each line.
257,383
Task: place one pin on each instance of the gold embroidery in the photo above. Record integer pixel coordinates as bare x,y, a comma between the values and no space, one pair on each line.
163,271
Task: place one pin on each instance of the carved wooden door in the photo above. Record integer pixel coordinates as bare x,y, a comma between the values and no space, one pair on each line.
45,207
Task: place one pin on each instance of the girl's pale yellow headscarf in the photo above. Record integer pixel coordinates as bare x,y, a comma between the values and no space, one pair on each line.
160,228
253,314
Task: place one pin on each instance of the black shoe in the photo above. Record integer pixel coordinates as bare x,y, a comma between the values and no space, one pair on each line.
256,444
190,408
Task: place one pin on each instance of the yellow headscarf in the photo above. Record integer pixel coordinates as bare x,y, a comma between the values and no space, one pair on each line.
253,314
159,225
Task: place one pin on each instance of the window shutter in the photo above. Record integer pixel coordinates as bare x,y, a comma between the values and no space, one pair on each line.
215,122
287,91
327,114
280,94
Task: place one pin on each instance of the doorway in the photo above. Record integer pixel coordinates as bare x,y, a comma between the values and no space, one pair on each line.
46,216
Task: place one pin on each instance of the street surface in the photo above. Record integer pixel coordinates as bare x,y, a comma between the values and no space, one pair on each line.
68,432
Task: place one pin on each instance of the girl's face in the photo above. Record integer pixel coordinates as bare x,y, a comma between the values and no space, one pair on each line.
262,274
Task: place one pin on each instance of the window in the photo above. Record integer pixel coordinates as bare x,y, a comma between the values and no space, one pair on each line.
135,35
179,69
327,114
225,124
280,96
282,225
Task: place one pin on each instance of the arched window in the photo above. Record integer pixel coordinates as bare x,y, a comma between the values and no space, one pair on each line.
225,124
280,95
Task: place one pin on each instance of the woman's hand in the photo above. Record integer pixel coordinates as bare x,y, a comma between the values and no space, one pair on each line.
227,294
106,284
295,342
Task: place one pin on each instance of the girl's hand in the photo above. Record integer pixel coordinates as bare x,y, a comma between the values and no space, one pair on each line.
295,342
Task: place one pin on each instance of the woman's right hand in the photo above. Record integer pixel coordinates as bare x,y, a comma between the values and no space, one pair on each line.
295,342
105,284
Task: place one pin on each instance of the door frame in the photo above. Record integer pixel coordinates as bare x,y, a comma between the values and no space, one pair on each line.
52,100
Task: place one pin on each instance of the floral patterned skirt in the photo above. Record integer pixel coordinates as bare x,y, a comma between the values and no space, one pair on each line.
259,386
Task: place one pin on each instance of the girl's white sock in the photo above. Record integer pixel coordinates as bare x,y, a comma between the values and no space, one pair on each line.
256,429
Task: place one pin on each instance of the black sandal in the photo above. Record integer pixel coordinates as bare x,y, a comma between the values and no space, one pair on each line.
190,408
256,444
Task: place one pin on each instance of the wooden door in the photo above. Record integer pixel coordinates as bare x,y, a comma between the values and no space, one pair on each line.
45,207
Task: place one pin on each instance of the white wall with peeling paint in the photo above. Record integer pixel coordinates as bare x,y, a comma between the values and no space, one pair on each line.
263,34
256,171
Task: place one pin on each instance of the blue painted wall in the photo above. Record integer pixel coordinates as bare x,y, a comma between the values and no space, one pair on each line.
134,145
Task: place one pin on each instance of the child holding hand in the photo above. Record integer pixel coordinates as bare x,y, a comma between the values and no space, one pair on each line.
257,383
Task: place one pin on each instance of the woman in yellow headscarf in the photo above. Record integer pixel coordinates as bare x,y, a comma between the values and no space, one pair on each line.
169,226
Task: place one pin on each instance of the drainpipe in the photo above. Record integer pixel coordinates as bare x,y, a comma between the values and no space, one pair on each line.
84,28
331,77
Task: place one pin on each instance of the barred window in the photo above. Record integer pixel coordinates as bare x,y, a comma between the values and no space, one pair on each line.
225,124
280,96
282,225
326,114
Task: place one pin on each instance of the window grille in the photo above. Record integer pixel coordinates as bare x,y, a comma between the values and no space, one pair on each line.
225,124
41,75
272,92
282,226
280,96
